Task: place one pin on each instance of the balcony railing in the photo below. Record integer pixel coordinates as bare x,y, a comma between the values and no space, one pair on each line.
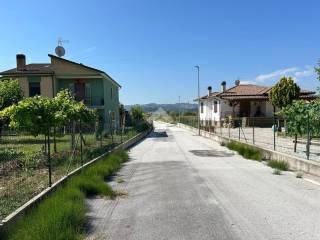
94,101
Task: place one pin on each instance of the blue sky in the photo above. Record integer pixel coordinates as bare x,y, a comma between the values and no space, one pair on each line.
151,46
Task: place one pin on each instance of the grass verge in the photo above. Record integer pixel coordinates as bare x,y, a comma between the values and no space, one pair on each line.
280,165
62,215
245,151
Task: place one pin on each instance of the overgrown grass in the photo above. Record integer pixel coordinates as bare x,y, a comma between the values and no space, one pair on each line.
62,215
280,165
23,168
246,151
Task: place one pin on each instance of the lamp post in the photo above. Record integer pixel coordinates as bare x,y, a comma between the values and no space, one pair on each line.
198,68
179,110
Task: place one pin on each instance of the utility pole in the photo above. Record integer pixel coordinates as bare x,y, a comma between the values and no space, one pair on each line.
198,68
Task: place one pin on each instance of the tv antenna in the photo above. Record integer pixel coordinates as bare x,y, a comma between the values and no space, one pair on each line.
60,51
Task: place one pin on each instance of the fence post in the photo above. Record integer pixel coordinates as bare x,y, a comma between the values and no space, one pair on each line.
308,137
253,123
49,158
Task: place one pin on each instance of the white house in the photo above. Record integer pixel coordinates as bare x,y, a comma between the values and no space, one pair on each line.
241,100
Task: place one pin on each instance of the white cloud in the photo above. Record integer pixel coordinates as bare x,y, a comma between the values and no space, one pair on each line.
248,82
278,73
309,71
296,73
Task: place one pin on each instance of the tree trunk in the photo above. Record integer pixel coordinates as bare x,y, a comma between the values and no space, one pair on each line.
54,141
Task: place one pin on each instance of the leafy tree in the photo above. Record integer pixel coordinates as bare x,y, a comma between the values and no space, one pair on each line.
302,117
10,93
137,113
317,69
318,73
38,115
284,92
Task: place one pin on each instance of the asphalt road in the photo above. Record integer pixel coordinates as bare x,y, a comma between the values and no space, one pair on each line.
181,186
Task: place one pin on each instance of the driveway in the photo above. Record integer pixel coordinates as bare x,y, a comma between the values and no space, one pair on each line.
181,186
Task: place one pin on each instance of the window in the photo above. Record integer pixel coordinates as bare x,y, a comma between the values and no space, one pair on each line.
201,109
215,106
111,92
34,89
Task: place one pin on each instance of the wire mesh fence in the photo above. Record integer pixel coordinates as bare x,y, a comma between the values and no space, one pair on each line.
29,164
270,133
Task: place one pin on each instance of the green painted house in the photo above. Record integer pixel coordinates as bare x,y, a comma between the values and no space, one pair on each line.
92,86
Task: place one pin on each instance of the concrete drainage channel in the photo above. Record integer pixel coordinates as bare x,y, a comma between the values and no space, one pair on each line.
295,163
45,193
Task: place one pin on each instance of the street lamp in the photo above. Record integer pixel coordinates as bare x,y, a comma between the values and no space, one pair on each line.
198,68
179,109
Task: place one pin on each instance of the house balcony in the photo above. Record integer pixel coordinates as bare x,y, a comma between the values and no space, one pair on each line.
94,102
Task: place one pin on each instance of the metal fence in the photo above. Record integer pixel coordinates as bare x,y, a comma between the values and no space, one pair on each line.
265,132
29,164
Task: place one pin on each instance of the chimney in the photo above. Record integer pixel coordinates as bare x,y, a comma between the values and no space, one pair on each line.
21,62
209,90
223,86
237,82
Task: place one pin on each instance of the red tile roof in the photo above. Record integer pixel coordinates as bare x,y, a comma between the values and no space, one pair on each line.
252,92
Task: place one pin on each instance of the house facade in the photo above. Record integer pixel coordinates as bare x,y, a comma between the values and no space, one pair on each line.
92,86
241,100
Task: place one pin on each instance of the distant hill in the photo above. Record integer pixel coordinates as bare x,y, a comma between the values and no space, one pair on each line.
152,107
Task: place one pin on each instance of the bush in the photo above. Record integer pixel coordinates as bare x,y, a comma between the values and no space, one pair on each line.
62,215
280,165
246,151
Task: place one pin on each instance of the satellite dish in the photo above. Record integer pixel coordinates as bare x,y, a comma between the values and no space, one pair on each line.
60,51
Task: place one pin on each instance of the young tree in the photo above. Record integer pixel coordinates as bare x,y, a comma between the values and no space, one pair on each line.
284,92
41,115
303,118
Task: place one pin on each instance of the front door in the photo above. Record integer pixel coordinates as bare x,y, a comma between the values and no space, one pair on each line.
244,109
80,90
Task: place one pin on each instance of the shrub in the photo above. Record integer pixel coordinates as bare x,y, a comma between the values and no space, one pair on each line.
280,165
246,151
